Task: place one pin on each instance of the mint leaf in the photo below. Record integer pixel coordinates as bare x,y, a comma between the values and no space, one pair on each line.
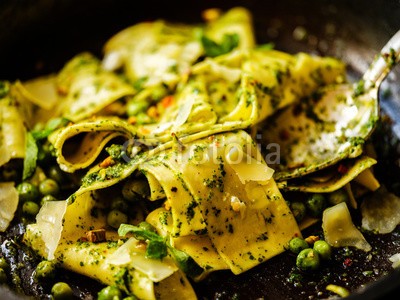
31,152
156,246
124,229
185,262
213,49
267,46
51,125
156,250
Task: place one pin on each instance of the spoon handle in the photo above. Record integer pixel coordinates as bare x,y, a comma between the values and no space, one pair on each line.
383,63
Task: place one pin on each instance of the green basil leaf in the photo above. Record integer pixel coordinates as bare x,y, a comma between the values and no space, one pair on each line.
51,125
213,49
185,262
156,250
124,229
31,152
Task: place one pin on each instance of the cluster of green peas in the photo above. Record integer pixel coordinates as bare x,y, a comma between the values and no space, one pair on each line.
132,191
309,258
113,293
34,196
60,290
315,203
63,291
45,269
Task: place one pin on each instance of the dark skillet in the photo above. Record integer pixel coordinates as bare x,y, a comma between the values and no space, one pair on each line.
37,37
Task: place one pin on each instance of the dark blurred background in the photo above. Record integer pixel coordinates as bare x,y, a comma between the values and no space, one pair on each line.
38,36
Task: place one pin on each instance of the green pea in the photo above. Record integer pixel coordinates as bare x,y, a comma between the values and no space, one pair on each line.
3,276
298,209
54,172
316,204
297,244
109,293
38,126
323,249
4,264
30,208
115,218
134,190
143,118
27,192
158,93
45,269
62,291
308,260
133,107
45,153
49,187
120,204
130,298
337,197
47,198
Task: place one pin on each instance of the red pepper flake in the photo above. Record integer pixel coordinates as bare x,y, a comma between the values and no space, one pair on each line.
284,135
167,101
342,169
347,262
132,120
108,161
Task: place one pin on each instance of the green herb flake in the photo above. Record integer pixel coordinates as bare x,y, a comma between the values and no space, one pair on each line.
31,153
213,49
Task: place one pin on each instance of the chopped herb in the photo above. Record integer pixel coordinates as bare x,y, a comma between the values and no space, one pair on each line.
158,247
51,125
31,152
4,88
116,152
213,49
359,89
267,46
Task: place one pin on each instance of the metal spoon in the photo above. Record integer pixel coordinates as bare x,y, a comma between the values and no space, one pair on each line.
332,125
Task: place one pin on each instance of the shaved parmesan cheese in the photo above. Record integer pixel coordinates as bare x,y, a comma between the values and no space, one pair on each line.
339,230
112,61
49,225
41,91
367,179
130,254
248,168
380,211
184,112
395,259
8,204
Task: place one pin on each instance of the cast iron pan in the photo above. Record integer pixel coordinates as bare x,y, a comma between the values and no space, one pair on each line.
38,37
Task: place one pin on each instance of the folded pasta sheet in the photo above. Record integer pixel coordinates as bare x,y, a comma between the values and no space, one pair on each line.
220,186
